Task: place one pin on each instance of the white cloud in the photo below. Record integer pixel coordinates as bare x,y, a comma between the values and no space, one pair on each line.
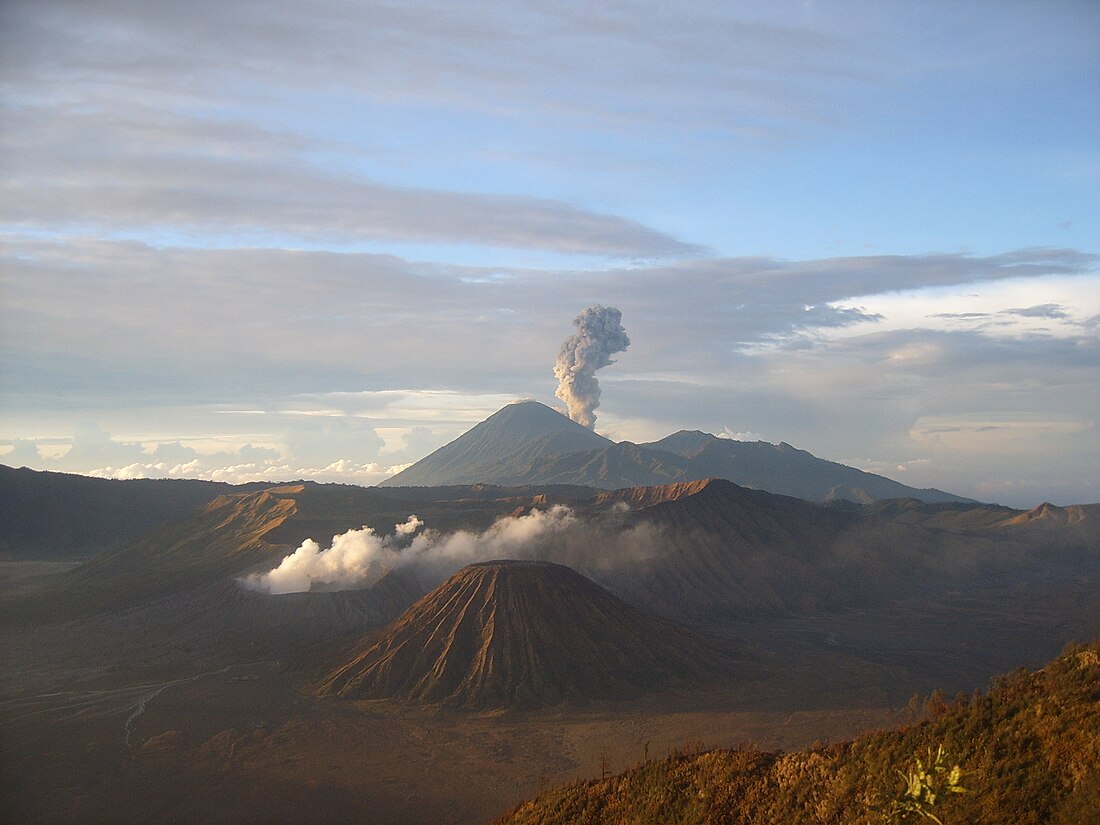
998,432
342,471
130,471
739,436
1062,306
189,469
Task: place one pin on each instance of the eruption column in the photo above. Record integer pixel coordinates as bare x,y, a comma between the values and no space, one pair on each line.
599,335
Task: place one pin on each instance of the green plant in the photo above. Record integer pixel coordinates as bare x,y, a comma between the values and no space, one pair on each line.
926,784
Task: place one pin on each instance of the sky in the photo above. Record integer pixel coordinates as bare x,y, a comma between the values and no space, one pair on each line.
245,241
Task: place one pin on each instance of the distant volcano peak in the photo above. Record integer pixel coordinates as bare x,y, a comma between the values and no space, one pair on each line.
533,417
518,433
526,406
530,443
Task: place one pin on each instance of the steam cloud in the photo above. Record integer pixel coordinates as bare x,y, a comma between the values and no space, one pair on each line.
354,559
599,335
359,558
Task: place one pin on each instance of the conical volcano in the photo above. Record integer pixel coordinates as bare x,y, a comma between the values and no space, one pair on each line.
523,634
503,445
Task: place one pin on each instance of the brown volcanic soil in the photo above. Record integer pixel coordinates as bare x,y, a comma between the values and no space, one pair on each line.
638,498
183,709
124,720
523,634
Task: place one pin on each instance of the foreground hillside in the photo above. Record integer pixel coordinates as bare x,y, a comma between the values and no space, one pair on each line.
1029,749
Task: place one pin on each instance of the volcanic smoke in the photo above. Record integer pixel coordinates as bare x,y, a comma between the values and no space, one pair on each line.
599,335
359,558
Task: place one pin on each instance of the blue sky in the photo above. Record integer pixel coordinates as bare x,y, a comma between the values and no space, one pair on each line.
255,240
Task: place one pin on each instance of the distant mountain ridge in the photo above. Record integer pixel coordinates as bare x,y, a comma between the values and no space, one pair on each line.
781,468
529,443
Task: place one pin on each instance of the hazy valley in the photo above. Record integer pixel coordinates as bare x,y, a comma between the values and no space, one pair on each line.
186,673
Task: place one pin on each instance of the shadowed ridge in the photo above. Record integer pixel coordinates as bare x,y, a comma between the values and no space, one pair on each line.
613,466
725,510
953,516
782,468
225,536
48,515
522,634
723,550
726,550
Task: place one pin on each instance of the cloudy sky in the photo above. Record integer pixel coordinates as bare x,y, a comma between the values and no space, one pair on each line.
279,240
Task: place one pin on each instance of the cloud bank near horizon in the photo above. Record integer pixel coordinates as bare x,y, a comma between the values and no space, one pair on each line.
252,371
324,241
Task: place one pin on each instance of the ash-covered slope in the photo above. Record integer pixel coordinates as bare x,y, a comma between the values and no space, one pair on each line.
513,437
522,634
1050,516
717,550
224,537
612,467
726,550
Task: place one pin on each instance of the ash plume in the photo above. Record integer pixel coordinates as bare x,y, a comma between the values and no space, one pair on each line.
599,335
